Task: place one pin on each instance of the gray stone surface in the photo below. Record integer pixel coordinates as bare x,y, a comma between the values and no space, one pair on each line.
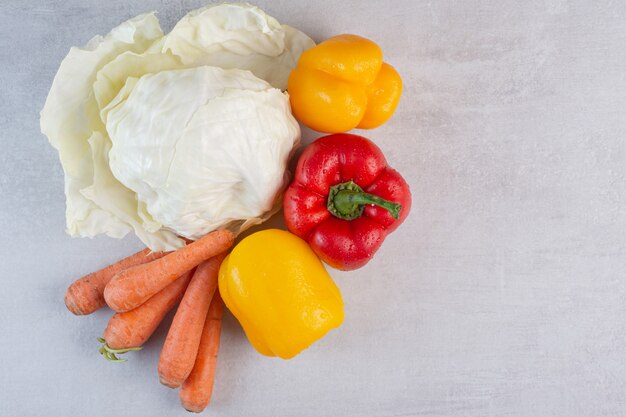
502,295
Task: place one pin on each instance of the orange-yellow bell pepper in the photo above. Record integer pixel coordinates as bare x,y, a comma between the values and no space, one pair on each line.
343,83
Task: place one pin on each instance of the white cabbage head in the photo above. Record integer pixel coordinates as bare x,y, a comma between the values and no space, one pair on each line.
154,139
203,148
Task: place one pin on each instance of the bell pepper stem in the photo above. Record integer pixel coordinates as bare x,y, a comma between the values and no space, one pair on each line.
347,200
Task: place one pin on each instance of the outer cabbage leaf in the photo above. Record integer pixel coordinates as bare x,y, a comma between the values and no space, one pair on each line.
70,117
112,77
238,36
110,195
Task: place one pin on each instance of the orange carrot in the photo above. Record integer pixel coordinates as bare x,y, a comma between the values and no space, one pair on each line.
85,295
132,287
196,391
182,341
133,328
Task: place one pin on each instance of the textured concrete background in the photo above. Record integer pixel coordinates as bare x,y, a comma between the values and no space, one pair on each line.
502,295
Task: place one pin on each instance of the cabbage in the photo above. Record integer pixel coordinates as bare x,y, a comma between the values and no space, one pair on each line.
203,148
97,81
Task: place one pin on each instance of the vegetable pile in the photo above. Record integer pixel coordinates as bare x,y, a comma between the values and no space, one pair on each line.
185,139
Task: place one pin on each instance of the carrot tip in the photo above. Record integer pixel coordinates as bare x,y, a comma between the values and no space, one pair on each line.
168,383
194,410
72,307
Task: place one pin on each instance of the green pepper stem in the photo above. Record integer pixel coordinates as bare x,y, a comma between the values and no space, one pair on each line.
347,200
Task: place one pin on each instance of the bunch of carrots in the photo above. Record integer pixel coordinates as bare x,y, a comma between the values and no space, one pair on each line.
142,289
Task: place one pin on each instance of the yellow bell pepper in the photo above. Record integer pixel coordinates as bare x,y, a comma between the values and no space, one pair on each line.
280,292
343,83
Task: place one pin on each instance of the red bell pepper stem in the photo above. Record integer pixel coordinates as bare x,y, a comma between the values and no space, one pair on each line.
347,201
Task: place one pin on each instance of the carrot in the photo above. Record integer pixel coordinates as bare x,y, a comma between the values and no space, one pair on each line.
132,287
196,391
133,328
182,341
85,295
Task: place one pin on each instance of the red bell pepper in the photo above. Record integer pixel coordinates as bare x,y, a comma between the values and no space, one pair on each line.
344,199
